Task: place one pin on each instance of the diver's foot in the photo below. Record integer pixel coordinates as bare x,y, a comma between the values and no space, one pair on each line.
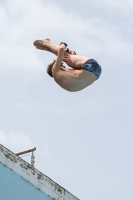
42,44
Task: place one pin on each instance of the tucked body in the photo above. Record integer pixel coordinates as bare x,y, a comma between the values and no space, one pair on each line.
84,70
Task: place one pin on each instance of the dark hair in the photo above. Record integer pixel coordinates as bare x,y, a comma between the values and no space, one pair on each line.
49,68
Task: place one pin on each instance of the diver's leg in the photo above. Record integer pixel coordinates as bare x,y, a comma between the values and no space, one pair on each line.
71,60
47,45
75,61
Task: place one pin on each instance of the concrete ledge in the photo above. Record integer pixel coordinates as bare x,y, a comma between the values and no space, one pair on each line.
34,176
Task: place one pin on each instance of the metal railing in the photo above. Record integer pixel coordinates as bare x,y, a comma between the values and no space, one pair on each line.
32,156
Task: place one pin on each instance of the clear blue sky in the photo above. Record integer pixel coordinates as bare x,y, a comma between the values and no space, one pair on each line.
84,140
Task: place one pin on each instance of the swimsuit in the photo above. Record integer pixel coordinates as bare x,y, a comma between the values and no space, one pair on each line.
93,67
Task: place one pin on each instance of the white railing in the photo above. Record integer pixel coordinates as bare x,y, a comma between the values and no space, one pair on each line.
32,156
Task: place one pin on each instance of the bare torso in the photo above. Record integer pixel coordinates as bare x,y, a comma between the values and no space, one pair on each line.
73,80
